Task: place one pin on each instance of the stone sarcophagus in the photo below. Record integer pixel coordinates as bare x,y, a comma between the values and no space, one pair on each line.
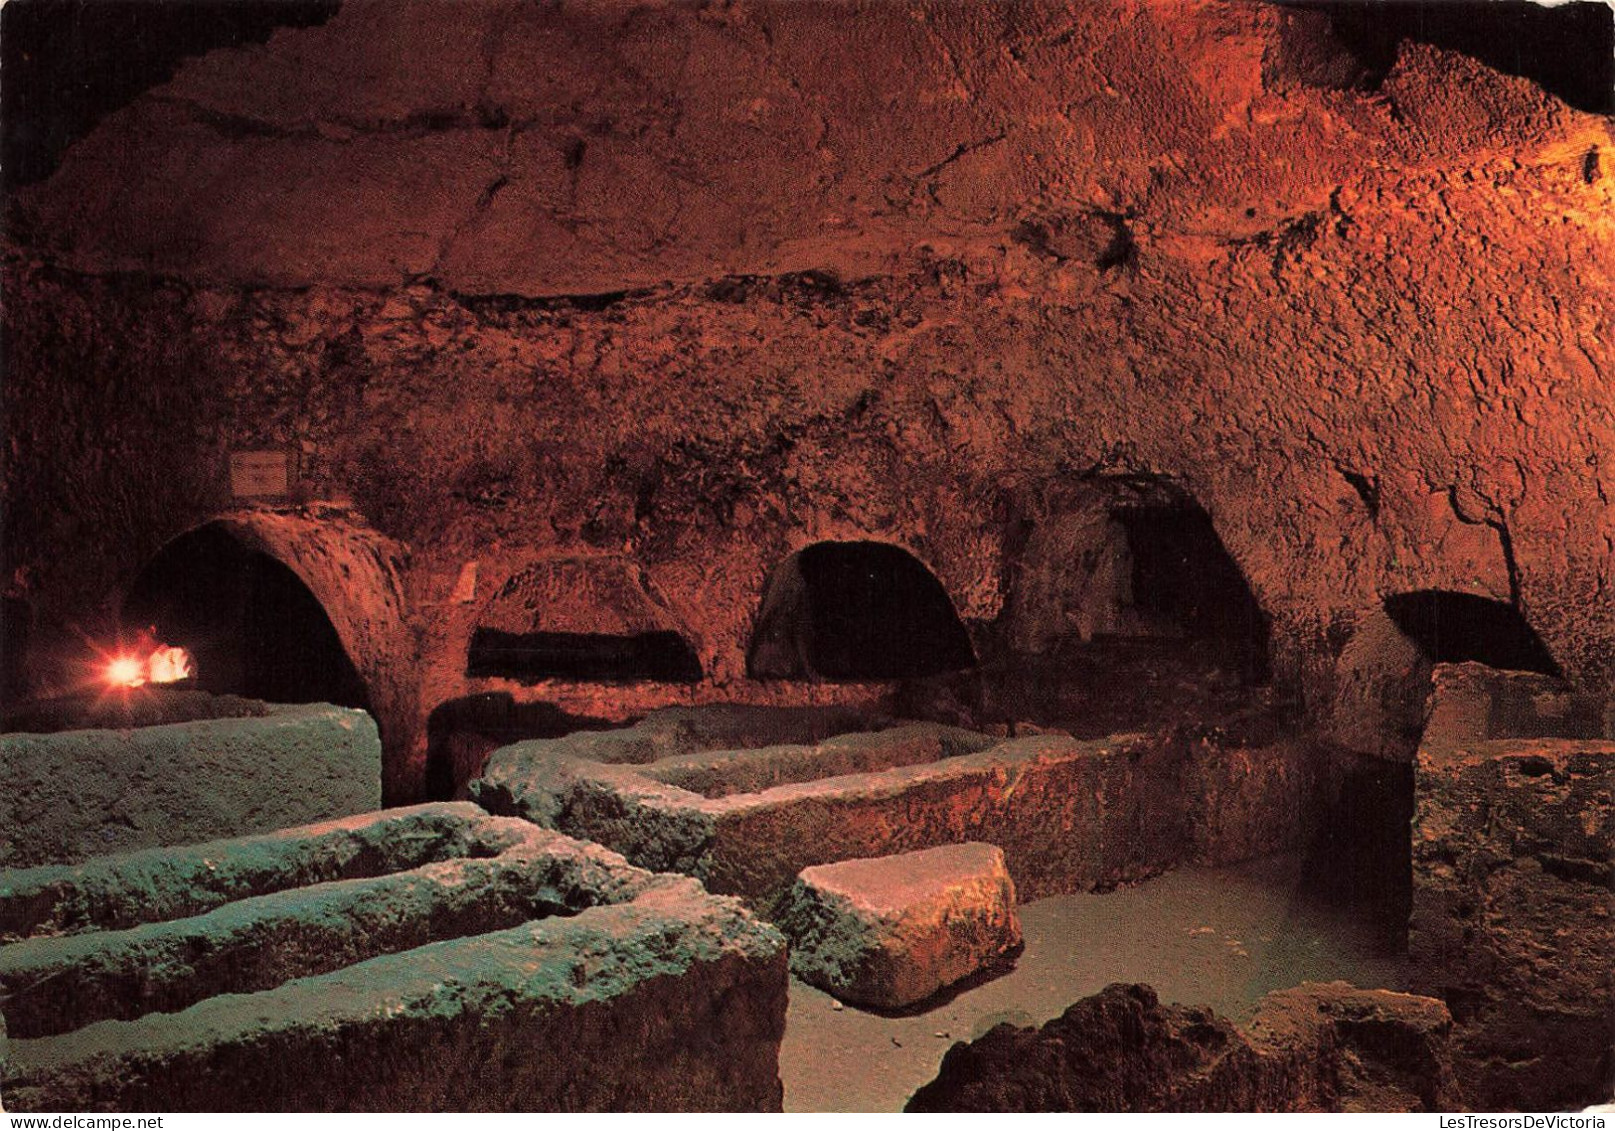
423,959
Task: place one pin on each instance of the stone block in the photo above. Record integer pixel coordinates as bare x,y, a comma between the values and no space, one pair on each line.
1070,815
425,959
1513,889
74,794
890,931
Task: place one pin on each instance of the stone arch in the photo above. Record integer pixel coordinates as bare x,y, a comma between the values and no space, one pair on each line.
297,607
583,619
1132,557
854,611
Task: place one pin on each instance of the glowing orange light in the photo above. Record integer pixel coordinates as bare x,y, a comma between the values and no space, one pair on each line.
168,664
164,664
126,671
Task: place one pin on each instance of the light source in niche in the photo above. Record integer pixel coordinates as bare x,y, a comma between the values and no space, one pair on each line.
149,662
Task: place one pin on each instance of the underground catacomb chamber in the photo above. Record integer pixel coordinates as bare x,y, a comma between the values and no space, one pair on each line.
757,437
579,627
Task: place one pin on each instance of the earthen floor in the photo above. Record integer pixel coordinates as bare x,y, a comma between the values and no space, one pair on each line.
1219,937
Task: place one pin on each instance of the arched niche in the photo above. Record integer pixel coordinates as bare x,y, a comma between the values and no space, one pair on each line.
1124,612
289,608
581,619
854,611
1453,628
1132,558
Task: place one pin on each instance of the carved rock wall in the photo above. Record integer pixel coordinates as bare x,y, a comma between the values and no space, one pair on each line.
704,286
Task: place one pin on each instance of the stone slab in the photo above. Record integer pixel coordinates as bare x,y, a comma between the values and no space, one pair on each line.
74,794
891,931
116,892
53,985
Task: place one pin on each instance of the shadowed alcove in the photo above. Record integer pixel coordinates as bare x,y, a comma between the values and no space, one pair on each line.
252,624
856,611
592,620
1125,610
462,732
1453,628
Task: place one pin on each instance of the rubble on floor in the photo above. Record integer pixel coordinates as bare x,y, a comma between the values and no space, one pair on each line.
1317,1047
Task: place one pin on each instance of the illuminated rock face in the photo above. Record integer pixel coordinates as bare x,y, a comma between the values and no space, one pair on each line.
707,287
1513,843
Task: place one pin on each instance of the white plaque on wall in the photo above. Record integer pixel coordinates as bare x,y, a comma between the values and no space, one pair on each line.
257,475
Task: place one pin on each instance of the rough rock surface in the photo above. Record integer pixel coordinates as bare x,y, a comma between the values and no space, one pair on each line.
54,985
706,285
1318,1047
74,794
1070,815
1383,681
891,931
512,969
111,893
1513,893
604,1011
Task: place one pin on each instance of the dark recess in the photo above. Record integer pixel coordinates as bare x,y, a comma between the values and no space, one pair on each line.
15,619
1568,50
856,611
66,64
250,622
1362,852
461,733
588,656
1182,574
1454,628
